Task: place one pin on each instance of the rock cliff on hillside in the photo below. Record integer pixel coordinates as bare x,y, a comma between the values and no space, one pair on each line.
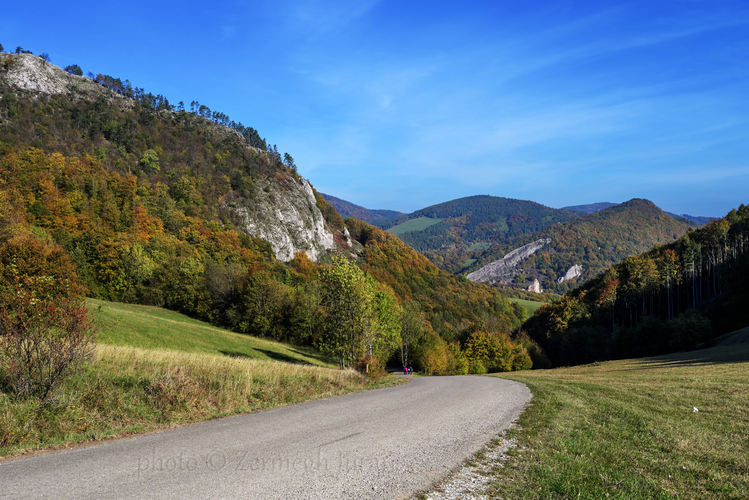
572,273
285,214
282,209
34,75
505,267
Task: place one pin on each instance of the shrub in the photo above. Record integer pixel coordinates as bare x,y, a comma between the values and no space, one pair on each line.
42,340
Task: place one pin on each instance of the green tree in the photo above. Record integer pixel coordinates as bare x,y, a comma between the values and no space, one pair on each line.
360,319
382,326
289,162
343,297
413,330
74,69
150,161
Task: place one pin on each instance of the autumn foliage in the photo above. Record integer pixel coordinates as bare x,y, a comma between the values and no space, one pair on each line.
672,297
134,203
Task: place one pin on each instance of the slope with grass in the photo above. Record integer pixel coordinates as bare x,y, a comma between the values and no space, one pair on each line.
156,369
530,305
669,427
148,327
418,224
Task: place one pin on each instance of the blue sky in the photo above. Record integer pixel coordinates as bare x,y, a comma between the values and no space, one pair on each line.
404,104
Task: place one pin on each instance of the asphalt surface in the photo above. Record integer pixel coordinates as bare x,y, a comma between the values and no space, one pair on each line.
386,443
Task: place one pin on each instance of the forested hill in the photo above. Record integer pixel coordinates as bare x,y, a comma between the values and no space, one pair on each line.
670,298
450,233
348,209
593,242
591,208
115,193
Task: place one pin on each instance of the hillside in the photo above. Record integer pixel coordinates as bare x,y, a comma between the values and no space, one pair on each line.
348,209
450,234
582,248
670,298
113,192
590,208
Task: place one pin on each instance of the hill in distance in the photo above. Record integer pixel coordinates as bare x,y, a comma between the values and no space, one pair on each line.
591,208
348,209
698,220
458,233
451,233
582,248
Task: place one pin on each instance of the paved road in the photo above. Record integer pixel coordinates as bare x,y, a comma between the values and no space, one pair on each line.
387,443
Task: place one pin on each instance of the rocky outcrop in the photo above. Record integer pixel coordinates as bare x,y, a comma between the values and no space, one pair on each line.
572,273
285,214
283,209
535,286
505,267
34,75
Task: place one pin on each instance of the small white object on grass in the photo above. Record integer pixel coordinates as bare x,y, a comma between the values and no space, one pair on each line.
694,409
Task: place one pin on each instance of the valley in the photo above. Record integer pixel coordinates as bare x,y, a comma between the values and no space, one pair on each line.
178,268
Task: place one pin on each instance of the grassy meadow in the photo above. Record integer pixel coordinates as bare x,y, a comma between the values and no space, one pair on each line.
177,371
628,429
150,327
530,305
418,224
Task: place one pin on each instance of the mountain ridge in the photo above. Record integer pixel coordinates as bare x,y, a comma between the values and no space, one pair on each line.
594,242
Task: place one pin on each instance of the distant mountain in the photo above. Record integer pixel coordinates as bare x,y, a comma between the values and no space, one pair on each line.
568,253
698,220
596,207
450,233
592,208
348,209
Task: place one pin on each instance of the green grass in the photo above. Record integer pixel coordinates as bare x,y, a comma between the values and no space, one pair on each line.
149,327
479,246
155,369
627,429
530,305
418,224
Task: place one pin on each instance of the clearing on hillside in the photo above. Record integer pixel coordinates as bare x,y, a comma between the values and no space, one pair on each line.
414,225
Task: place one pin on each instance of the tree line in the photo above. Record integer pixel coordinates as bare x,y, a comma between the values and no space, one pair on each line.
670,298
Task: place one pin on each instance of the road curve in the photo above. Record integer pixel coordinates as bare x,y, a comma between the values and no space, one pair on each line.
386,443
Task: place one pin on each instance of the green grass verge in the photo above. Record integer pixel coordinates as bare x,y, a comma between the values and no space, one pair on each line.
418,224
627,429
149,327
530,305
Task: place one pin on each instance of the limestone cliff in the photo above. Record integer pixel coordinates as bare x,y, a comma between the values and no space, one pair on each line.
505,267
284,213
572,273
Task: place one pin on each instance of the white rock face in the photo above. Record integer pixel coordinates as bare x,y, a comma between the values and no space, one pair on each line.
505,267
572,273
535,287
285,214
33,74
